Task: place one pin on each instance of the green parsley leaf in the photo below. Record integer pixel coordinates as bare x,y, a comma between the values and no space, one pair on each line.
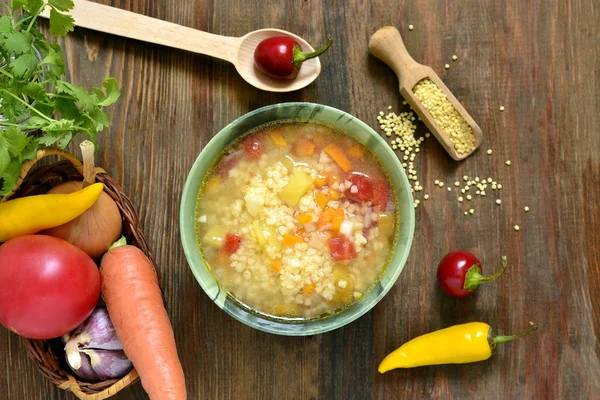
62,5
24,65
35,91
111,86
4,160
60,24
17,42
54,58
10,177
65,140
13,140
86,100
100,118
5,25
56,127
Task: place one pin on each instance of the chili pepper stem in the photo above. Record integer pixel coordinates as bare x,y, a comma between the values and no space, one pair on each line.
495,340
300,56
474,278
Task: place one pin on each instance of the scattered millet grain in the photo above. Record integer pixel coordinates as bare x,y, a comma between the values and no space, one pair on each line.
501,108
526,209
454,57
447,117
517,227
498,201
508,162
489,151
447,66
410,27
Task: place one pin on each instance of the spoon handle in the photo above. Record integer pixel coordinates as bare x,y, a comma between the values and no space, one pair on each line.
124,23
387,45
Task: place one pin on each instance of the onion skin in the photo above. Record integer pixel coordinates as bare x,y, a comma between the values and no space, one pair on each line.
96,229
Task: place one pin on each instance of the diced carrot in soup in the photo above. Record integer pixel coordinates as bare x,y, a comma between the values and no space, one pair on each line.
321,199
304,147
338,156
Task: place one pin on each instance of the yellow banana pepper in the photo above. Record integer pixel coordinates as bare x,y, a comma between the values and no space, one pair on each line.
28,215
457,344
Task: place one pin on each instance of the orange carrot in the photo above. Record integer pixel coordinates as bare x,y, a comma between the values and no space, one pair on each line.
338,218
304,147
305,218
291,240
321,200
308,289
339,157
334,195
278,139
134,301
332,178
320,181
325,217
356,151
276,265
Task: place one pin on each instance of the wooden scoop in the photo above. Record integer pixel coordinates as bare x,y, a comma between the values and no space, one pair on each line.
237,50
387,45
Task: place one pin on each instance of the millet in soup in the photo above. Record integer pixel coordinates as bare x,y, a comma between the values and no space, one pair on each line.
296,220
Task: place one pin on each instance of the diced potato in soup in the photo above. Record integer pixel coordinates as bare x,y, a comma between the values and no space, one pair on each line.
296,220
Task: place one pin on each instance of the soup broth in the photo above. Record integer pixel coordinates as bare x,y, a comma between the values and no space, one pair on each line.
296,220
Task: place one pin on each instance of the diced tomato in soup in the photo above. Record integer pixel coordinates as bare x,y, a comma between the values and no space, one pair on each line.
341,248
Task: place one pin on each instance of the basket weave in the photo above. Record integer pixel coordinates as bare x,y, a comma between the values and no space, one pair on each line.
38,181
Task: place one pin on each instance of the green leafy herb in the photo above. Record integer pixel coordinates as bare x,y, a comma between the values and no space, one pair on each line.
38,108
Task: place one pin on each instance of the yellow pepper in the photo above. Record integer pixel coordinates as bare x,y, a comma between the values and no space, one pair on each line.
28,215
457,344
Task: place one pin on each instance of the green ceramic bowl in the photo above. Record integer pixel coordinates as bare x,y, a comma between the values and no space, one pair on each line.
360,132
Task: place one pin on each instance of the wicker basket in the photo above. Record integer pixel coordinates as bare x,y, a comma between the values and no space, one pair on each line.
40,180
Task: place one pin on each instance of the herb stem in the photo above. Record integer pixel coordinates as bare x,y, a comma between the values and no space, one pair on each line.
26,104
5,72
2,123
35,15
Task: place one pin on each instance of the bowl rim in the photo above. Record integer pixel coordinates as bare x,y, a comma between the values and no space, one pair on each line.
253,320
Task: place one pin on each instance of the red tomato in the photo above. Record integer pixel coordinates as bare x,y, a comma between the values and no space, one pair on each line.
232,242
48,287
381,194
341,248
364,184
253,147
228,162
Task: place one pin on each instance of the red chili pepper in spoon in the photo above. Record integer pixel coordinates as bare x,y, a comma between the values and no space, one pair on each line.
459,273
281,57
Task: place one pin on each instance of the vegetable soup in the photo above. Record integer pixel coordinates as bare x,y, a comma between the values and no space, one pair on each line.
296,220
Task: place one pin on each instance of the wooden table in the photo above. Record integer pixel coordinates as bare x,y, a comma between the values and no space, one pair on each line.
538,59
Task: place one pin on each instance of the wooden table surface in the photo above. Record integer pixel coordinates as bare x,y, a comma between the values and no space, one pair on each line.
538,58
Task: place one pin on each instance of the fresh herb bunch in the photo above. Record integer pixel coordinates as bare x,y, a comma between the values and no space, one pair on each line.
38,108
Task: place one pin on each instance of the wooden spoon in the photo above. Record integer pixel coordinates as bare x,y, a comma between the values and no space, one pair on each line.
387,45
238,51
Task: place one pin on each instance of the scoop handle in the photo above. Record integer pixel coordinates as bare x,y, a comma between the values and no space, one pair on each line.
131,25
387,45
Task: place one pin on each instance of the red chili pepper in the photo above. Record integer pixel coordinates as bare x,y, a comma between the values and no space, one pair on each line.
281,57
459,273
